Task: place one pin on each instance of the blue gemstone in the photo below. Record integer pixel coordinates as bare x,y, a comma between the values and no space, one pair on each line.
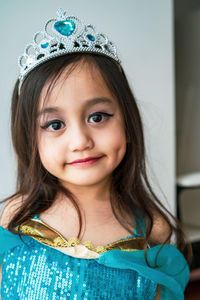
44,45
65,27
90,37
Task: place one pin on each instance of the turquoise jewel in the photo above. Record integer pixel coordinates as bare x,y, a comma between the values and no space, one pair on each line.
44,45
90,37
65,27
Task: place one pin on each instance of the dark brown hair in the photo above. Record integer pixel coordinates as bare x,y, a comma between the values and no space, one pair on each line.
130,190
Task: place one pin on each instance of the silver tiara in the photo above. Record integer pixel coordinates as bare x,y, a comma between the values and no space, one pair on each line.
61,35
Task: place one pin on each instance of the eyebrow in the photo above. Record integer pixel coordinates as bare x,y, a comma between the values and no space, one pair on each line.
87,104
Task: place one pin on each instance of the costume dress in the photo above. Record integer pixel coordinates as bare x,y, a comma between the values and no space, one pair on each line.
49,267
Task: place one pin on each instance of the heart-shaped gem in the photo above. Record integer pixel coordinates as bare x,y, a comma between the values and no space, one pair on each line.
65,27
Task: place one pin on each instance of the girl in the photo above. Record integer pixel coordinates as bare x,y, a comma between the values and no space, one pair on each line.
84,222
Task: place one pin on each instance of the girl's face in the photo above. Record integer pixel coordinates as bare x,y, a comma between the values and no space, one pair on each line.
80,119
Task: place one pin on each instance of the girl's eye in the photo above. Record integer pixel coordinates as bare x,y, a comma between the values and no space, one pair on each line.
53,125
97,116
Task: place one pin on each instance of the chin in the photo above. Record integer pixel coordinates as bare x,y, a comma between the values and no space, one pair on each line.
89,181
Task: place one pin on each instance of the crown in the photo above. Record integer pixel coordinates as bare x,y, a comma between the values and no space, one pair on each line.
61,35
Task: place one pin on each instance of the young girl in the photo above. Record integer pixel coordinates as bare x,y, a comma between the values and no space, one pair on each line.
84,222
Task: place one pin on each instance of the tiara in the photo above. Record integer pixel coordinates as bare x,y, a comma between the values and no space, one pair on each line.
61,35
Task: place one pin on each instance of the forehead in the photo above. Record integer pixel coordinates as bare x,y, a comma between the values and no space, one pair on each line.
76,83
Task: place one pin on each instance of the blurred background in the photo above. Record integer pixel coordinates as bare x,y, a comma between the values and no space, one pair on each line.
187,62
159,44
187,101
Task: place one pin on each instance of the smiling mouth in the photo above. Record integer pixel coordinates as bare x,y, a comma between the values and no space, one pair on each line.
85,162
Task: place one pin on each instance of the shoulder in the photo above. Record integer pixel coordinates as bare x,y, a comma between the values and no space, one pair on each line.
161,229
11,207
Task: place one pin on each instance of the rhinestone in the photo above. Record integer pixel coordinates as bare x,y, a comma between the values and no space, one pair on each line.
90,37
44,44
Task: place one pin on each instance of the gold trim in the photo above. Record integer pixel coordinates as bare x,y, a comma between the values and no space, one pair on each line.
49,236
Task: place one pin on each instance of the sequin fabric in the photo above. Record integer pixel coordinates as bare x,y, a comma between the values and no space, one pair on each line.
35,271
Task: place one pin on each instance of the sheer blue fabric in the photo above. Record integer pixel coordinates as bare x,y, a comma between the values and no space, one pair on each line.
32,270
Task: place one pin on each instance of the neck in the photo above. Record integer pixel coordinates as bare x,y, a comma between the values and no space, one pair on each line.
91,198
93,201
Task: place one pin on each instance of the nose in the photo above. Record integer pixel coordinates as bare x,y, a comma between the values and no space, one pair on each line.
79,138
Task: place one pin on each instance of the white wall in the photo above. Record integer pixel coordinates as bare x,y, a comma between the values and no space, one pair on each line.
143,31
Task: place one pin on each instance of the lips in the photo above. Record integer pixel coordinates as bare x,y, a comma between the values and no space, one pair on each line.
84,160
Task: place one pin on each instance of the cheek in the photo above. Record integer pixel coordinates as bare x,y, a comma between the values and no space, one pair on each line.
46,151
49,159
41,147
119,144
119,141
113,141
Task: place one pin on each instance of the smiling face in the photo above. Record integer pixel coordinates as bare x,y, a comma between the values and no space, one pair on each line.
80,119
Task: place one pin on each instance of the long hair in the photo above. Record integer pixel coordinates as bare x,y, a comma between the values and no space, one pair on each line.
130,188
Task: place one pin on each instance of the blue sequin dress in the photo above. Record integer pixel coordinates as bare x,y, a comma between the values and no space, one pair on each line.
32,270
